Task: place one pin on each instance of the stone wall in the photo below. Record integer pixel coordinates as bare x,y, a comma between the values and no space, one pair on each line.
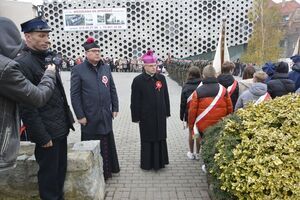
84,179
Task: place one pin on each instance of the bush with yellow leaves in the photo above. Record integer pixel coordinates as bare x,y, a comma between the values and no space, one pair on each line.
258,155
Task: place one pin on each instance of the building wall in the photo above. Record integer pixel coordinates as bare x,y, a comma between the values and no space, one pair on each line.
18,12
180,27
292,33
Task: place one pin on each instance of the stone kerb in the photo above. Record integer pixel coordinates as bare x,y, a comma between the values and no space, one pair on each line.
84,178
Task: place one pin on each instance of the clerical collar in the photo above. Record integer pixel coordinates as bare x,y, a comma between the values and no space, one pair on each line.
149,74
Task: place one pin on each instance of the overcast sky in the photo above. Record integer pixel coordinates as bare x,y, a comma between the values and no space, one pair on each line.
35,2
41,1
287,0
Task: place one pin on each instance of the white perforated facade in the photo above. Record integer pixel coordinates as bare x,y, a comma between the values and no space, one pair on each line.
180,27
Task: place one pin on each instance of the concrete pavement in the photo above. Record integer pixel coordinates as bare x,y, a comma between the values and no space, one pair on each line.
182,179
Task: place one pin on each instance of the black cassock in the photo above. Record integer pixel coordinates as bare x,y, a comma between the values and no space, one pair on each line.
150,106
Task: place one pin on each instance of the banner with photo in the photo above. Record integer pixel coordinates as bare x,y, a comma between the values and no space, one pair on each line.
95,19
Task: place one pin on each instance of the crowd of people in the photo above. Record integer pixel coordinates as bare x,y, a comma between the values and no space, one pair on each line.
33,90
116,65
207,99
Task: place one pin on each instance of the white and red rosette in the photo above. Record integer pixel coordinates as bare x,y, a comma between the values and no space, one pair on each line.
105,80
158,85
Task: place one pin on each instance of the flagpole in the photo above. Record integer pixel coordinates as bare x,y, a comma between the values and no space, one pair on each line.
222,41
221,53
298,45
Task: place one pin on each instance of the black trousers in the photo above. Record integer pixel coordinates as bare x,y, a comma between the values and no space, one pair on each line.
52,163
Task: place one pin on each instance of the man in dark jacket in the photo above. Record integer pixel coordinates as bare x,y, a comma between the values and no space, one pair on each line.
15,88
150,107
227,80
280,84
95,102
49,125
295,73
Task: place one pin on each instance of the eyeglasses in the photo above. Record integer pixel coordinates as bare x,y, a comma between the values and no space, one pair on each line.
94,51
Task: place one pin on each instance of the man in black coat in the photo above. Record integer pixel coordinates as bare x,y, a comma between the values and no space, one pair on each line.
294,75
49,125
95,102
150,107
280,84
227,80
14,89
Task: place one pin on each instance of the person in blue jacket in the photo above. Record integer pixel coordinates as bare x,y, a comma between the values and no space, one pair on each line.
95,103
295,73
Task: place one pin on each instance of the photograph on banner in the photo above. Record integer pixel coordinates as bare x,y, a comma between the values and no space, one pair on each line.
100,19
74,20
95,19
115,18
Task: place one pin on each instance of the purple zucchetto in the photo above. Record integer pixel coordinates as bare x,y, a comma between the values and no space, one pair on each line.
149,58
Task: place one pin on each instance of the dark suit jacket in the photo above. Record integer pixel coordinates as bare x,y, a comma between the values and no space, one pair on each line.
94,96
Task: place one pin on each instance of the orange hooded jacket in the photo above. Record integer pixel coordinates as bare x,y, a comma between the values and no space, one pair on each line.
202,98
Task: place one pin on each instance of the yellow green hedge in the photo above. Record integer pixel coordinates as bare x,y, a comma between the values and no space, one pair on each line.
265,164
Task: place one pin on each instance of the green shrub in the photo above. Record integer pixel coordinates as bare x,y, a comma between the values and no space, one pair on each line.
257,156
210,139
